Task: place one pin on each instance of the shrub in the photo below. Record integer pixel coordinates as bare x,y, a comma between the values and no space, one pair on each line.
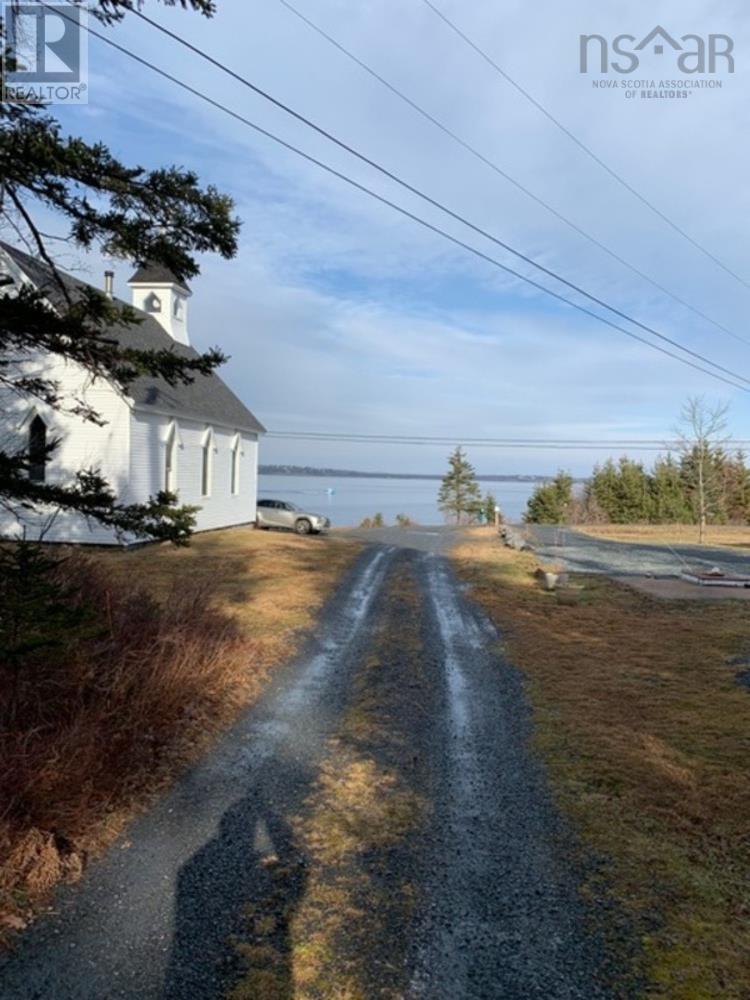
86,728
376,521
489,508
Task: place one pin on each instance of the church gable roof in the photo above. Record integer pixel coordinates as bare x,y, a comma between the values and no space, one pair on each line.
207,398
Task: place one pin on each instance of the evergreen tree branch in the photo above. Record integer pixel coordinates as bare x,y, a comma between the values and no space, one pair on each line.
90,495
163,217
36,236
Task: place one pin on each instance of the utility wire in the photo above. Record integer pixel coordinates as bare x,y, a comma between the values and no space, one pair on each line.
398,208
471,439
479,444
574,138
484,442
468,442
502,173
428,199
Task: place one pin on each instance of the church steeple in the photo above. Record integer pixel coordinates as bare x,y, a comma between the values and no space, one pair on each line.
160,293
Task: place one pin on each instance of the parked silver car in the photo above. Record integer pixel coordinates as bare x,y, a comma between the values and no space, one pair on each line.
280,514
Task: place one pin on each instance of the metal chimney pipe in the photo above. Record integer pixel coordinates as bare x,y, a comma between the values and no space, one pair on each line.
109,279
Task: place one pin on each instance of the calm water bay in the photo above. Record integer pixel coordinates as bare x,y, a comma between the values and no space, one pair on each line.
348,500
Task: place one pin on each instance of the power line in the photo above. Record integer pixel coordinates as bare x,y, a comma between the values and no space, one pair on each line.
502,173
486,442
430,200
488,445
402,211
472,439
582,145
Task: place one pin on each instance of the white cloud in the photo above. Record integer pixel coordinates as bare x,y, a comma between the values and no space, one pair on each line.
335,309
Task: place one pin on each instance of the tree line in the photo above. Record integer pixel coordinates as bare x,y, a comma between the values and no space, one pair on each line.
626,492
703,482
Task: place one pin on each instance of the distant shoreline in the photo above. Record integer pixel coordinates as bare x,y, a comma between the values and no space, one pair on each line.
296,470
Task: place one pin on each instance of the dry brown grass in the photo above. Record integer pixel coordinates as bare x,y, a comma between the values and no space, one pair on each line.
646,737
183,641
737,535
271,584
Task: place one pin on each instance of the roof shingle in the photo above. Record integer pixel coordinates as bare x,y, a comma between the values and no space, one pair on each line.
156,274
206,398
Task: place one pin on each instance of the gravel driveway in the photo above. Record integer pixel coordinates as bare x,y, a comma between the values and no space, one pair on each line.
585,554
494,908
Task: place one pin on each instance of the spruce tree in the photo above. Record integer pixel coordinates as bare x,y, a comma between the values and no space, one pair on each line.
634,492
551,502
670,504
736,489
459,497
161,217
621,492
601,490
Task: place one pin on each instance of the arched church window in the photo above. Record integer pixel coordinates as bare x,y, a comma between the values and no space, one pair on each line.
236,465
206,449
170,461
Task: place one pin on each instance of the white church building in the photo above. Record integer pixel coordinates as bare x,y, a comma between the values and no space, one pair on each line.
197,440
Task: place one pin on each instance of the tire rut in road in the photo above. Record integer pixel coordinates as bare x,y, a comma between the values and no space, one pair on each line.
358,836
502,916
434,862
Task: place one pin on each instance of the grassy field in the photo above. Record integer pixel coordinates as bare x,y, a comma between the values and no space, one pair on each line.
736,535
646,737
181,641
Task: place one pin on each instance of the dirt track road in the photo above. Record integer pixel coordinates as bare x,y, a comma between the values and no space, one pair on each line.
375,825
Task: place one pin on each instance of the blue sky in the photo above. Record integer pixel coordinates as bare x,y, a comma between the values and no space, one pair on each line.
341,316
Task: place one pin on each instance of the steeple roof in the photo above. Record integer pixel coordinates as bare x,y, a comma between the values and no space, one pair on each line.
156,274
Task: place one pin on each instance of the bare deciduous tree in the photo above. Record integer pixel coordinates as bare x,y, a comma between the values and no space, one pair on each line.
702,436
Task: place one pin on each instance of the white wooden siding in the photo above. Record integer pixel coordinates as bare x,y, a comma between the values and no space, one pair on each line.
221,508
130,452
82,446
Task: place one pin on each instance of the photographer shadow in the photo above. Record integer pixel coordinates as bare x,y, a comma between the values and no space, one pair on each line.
235,901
